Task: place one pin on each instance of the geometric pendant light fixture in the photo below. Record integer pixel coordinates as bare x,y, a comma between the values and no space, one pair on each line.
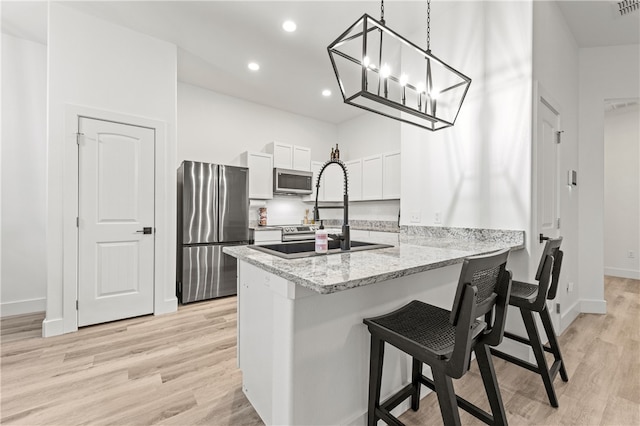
382,72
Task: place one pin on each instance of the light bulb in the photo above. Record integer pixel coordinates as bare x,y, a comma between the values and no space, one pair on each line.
365,61
403,80
253,66
420,87
385,71
434,93
289,26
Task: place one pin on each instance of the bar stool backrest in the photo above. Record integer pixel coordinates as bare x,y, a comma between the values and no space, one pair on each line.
483,290
551,248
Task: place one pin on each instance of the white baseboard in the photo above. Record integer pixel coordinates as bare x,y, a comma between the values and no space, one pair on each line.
21,307
622,273
166,306
593,306
54,327
568,316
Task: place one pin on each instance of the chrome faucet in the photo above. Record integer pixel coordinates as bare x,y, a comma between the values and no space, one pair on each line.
345,237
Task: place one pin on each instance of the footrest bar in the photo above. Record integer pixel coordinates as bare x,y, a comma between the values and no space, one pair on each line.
394,400
470,408
555,367
517,361
517,338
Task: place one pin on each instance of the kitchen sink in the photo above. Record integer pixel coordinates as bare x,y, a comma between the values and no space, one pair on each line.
308,248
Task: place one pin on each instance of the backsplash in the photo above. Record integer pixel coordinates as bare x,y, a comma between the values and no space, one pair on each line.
290,210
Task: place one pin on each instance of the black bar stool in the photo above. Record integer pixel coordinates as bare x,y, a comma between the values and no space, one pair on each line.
444,340
530,298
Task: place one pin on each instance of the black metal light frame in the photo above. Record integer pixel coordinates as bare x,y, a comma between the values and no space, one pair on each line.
383,105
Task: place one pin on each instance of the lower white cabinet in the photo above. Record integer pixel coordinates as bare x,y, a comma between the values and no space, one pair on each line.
260,166
267,236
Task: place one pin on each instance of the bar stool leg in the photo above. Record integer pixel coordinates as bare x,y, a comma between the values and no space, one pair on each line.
416,372
488,373
446,397
375,378
553,342
538,351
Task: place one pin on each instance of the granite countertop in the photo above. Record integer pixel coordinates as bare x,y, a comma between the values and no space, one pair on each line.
418,250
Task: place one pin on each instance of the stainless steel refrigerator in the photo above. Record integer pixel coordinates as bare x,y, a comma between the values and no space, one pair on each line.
213,203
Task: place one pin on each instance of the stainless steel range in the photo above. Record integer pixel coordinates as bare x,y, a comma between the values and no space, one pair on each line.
299,232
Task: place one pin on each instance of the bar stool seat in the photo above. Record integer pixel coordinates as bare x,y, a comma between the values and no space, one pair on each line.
444,340
530,298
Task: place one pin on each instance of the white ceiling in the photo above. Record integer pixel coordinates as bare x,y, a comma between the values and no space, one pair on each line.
216,40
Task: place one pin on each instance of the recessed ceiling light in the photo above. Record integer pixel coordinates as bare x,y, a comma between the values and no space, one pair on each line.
253,66
326,92
289,26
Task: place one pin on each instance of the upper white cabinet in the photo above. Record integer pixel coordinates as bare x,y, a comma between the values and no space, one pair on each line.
391,175
315,168
355,179
333,177
293,157
260,166
372,177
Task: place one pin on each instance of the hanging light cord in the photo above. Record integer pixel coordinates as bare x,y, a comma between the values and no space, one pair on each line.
428,25
382,11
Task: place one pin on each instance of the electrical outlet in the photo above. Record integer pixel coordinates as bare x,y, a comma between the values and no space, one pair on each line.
437,218
631,254
414,217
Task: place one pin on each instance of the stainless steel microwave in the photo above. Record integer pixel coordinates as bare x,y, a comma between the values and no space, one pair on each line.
292,181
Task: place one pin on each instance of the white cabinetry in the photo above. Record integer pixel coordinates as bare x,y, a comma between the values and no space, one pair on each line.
315,169
372,177
293,157
267,236
260,166
391,175
355,179
333,177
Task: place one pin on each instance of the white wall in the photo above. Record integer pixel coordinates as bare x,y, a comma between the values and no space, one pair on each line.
102,66
24,148
475,174
555,68
605,73
622,192
368,134
217,128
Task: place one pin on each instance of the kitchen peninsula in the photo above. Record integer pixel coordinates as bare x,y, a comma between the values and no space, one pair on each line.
302,347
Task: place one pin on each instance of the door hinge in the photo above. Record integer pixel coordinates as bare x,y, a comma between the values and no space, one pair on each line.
77,222
78,135
557,308
559,136
76,305
558,225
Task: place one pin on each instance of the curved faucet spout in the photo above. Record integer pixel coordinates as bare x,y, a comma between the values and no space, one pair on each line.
345,238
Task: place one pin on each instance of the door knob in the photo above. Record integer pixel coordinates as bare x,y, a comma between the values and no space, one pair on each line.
149,230
543,238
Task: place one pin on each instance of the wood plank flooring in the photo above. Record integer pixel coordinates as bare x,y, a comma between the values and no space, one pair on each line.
180,369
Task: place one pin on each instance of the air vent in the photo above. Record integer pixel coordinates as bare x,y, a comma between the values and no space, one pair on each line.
626,7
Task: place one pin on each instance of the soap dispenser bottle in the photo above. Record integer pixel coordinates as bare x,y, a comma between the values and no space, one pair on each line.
322,239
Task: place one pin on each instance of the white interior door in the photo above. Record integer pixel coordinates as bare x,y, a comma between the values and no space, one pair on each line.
116,202
548,180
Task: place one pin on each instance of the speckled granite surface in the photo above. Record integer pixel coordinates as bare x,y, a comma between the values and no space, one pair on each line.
416,252
366,225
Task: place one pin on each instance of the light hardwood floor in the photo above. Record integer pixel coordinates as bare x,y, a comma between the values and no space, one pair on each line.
180,369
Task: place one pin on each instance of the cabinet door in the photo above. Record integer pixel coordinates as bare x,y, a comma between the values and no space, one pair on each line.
333,177
315,168
260,166
391,175
372,177
282,155
301,158
355,179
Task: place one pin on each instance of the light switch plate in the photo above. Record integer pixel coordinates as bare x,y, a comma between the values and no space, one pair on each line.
414,217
